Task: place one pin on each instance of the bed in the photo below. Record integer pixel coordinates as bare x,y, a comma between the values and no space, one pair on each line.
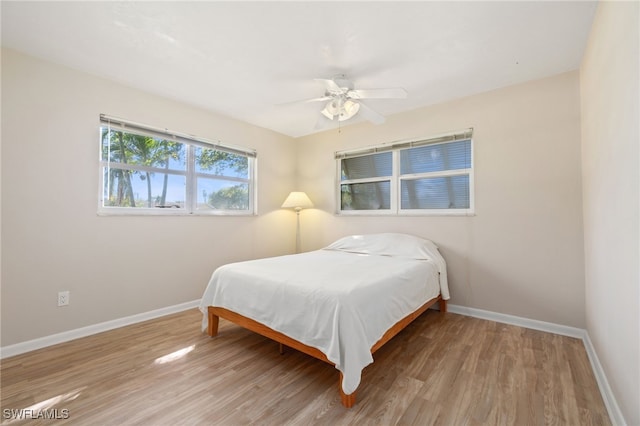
338,304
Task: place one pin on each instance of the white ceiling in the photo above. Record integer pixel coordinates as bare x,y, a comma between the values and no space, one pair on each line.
246,59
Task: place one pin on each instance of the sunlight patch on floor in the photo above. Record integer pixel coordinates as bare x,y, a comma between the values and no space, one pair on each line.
174,355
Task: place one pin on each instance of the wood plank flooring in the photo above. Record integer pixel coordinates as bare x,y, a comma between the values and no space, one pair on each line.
441,370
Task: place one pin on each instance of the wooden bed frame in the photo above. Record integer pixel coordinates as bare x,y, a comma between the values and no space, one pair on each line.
215,313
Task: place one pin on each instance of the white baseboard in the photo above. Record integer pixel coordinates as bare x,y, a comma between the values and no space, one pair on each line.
549,327
54,339
615,415
605,390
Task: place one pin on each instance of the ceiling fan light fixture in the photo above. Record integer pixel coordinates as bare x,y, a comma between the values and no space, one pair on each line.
327,111
340,110
349,109
332,109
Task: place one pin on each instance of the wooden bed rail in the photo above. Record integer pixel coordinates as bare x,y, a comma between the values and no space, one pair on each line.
215,313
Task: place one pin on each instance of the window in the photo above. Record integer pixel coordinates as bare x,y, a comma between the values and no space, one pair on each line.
428,176
144,170
366,182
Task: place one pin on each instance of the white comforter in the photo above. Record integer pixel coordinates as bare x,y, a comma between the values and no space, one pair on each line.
338,302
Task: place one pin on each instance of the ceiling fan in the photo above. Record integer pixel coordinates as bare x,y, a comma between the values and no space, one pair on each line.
344,101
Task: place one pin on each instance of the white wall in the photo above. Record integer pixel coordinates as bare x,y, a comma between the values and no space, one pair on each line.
522,253
52,238
610,164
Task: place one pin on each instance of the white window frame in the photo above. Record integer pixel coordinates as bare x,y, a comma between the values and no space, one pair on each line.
191,176
396,178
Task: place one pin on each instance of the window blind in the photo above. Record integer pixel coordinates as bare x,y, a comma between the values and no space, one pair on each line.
156,132
436,157
449,137
368,166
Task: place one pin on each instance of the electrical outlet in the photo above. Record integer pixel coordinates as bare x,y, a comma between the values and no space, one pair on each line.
63,298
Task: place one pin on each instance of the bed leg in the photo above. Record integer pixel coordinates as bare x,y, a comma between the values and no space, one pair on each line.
443,306
347,400
212,329
281,349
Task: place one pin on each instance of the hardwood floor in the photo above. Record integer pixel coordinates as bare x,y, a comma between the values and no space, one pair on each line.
442,369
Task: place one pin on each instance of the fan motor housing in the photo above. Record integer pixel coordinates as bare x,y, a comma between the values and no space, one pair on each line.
343,82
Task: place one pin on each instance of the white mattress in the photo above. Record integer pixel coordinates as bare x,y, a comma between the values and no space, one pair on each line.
338,302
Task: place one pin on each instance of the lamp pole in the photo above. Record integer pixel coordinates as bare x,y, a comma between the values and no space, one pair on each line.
298,209
298,201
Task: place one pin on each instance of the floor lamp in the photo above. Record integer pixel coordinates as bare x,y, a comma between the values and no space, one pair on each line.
297,201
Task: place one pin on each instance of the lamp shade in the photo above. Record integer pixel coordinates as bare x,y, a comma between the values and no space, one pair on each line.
298,201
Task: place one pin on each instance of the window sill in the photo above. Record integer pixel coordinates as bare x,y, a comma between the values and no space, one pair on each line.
420,213
170,213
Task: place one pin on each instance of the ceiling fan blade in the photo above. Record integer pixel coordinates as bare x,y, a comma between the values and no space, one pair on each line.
394,93
320,99
307,101
370,115
331,85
